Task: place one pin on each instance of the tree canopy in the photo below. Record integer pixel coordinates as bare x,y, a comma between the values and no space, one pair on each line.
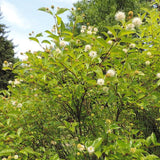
6,57
101,12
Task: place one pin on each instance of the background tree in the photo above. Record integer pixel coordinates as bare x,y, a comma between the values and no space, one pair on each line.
7,56
101,13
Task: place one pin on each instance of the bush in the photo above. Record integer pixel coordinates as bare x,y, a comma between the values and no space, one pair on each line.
84,97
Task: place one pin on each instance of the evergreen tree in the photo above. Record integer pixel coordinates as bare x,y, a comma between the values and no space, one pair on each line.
101,13
6,56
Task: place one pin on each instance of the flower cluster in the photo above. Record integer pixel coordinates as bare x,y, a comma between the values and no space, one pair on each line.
136,21
7,64
89,30
10,157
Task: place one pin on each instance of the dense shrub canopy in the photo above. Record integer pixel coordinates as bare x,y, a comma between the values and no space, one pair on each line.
86,97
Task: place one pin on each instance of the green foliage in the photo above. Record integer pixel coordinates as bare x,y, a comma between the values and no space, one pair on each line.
85,97
102,12
6,54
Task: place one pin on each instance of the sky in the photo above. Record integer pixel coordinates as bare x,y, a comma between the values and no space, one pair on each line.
22,17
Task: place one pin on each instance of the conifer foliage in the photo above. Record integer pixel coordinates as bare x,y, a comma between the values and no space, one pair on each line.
6,57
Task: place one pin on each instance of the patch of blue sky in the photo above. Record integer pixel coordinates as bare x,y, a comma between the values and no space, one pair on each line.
23,17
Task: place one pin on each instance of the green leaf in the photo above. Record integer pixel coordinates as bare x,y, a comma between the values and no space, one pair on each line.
98,154
61,10
158,83
79,19
29,150
97,143
151,157
59,19
111,30
39,35
19,131
17,64
125,32
55,157
153,138
6,152
102,42
46,41
44,9
99,71
61,127
149,141
51,35
62,26
114,126
34,39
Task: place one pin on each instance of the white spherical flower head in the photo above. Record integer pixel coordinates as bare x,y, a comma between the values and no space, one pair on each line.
90,28
149,53
25,58
120,16
137,21
132,45
84,27
4,158
100,82
13,103
125,50
110,42
10,82
16,157
16,81
19,105
58,50
93,54
87,48
95,29
158,75
105,89
39,57
111,73
89,32
147,63
90,149
82,30
130,26
109,32
80,147
62,43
